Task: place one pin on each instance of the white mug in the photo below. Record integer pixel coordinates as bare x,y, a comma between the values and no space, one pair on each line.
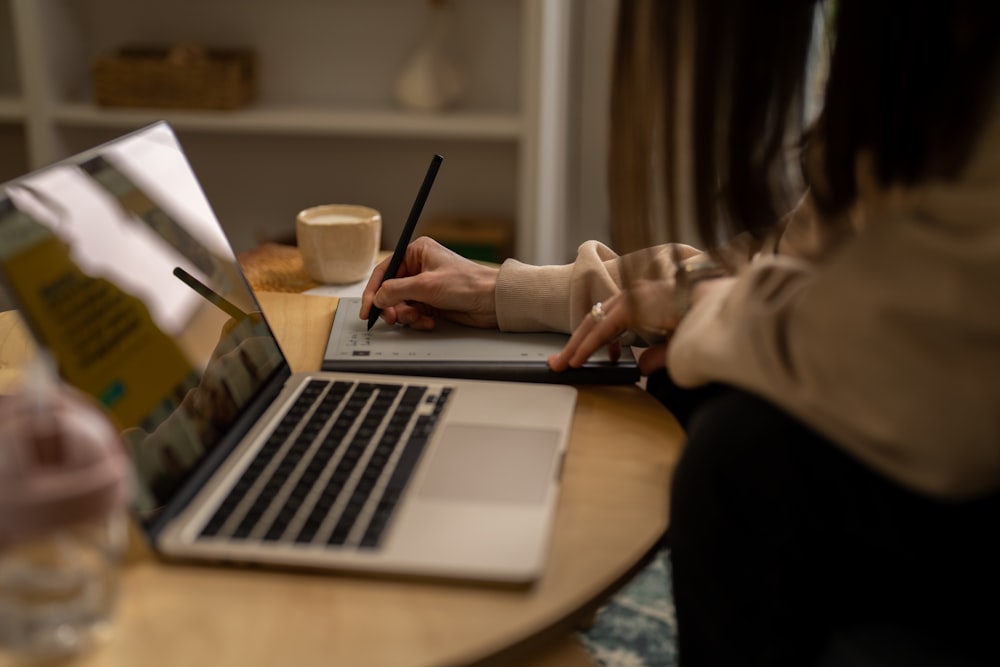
338,242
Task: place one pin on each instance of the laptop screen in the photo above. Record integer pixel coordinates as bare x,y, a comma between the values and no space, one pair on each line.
121,271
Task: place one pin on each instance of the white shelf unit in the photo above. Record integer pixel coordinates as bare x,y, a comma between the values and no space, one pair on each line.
325,127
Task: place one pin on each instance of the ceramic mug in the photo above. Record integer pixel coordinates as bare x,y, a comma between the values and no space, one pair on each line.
338,242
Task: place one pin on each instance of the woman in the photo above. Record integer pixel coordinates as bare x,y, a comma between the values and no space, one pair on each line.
837,368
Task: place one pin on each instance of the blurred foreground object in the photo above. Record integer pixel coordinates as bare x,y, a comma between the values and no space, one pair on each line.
65,486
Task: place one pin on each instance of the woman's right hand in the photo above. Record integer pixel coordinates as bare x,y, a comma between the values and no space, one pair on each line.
433,282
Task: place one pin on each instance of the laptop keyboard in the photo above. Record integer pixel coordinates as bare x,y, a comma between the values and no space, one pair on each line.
333,470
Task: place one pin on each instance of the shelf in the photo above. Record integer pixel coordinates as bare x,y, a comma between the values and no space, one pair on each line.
305,120
325,90
11,108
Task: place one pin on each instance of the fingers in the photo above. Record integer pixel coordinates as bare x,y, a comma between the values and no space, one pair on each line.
393,297
371,287
404,301
408,315
423,255
615,350
653,359
414,262
412,316
592,334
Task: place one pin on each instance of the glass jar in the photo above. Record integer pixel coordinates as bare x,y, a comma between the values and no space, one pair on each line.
65,484
58,591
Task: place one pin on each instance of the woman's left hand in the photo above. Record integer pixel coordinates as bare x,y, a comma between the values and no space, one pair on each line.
656,302
648,309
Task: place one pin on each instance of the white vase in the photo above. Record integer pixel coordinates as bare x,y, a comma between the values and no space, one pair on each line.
431,79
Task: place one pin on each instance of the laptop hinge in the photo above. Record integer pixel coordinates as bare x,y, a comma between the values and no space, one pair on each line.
154,526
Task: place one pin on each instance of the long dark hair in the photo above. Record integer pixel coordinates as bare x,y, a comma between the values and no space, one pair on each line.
908,81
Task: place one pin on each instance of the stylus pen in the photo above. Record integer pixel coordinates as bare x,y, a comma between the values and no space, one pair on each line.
214,297
404,238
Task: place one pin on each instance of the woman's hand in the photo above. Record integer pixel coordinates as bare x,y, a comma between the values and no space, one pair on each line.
658,317
647,309
433,282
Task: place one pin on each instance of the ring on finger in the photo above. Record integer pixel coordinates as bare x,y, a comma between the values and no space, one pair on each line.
597,312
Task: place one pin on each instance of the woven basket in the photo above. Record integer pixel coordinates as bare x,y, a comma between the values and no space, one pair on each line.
184,77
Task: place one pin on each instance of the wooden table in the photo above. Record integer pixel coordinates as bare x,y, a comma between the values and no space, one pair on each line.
612,509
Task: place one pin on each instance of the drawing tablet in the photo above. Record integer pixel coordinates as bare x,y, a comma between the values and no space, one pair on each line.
453,350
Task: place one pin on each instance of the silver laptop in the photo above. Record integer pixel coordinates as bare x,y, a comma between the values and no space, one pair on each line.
123,273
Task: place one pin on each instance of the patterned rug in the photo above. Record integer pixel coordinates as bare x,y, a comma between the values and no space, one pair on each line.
637,627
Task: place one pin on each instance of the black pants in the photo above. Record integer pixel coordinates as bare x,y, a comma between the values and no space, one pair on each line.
780,543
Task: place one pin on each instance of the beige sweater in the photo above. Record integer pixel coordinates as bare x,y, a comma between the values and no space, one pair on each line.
883,335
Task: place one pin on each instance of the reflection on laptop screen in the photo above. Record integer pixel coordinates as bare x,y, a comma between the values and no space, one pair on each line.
119,268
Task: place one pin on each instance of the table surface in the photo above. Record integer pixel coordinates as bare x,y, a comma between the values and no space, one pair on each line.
612,510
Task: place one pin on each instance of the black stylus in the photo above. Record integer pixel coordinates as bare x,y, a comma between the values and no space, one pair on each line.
214,297
404,238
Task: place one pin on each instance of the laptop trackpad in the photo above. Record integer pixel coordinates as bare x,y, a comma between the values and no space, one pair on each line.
491,464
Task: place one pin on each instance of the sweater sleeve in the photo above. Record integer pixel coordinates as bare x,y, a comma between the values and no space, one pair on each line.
556,298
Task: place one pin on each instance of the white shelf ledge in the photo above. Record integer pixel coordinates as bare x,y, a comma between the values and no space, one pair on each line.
459,124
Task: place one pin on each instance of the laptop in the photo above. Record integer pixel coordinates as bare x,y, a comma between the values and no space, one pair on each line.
122,271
